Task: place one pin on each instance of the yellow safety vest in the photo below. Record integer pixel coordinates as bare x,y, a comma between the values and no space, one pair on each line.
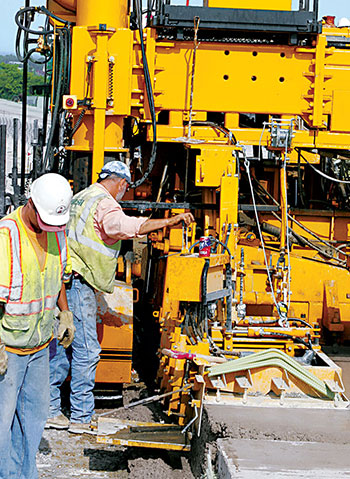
92,258
30,295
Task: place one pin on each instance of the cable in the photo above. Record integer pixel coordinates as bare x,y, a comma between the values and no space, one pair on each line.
321,172
47,164
260,140
246,164
226,131
307,230
24,18
284,166
216,241
150,99
290,320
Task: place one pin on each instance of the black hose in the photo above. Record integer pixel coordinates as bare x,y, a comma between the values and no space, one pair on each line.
228,285
216,241
286,336
229,298
290,320
186,327
194,328
19,16
150,99
56,106
228,281
204,295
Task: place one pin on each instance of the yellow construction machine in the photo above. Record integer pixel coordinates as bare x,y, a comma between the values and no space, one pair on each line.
239,112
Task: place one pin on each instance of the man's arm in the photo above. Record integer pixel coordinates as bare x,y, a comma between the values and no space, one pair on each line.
153,225
66,328
62,302
3,354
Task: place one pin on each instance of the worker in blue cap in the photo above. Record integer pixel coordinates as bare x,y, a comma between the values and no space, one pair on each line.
95,230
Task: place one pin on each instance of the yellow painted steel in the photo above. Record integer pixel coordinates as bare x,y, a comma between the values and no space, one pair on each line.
307,83
113,13
252,4
115,334
299,81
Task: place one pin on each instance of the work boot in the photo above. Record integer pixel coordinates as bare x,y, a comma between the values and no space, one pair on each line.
81,428
57,422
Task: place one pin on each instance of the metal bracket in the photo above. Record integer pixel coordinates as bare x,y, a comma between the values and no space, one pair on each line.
282,387
244,383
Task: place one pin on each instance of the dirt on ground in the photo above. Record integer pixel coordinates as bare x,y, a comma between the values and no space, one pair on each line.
64,455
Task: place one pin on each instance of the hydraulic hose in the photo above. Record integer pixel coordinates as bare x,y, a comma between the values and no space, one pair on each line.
42,10
330,178
204,295
228,281
47,164
267,334
150,99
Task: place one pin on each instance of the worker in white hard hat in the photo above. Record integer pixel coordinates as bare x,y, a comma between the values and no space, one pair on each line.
95,230
34,264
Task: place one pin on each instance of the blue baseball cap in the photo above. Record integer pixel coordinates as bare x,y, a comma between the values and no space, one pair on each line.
117,168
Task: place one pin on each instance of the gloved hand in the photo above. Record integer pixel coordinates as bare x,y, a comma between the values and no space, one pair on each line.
3,359
66,328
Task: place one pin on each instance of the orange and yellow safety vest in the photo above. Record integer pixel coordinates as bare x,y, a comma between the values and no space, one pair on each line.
29,294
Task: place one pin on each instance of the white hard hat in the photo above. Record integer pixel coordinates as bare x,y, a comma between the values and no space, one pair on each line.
51,195
344,22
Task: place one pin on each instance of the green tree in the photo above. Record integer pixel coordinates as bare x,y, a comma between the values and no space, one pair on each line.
11,81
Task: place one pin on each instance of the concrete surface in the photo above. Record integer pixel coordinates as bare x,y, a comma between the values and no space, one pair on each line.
320,425
278,443
245,459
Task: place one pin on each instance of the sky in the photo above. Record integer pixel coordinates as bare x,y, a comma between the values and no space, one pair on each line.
338,8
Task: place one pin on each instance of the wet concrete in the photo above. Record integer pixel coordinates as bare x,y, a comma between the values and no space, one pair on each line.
281,442
245,459
280,424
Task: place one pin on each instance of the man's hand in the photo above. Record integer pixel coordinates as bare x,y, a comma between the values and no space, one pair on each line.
66,328
3,359
152,225
187,218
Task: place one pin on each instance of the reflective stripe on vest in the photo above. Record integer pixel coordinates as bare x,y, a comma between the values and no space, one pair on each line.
14,292
31,295
78,235
31,307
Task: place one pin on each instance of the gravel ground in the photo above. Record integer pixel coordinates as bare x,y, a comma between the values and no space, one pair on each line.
64,455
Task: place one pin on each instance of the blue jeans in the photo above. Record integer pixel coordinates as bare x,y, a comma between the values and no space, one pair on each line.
82,359
24,404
